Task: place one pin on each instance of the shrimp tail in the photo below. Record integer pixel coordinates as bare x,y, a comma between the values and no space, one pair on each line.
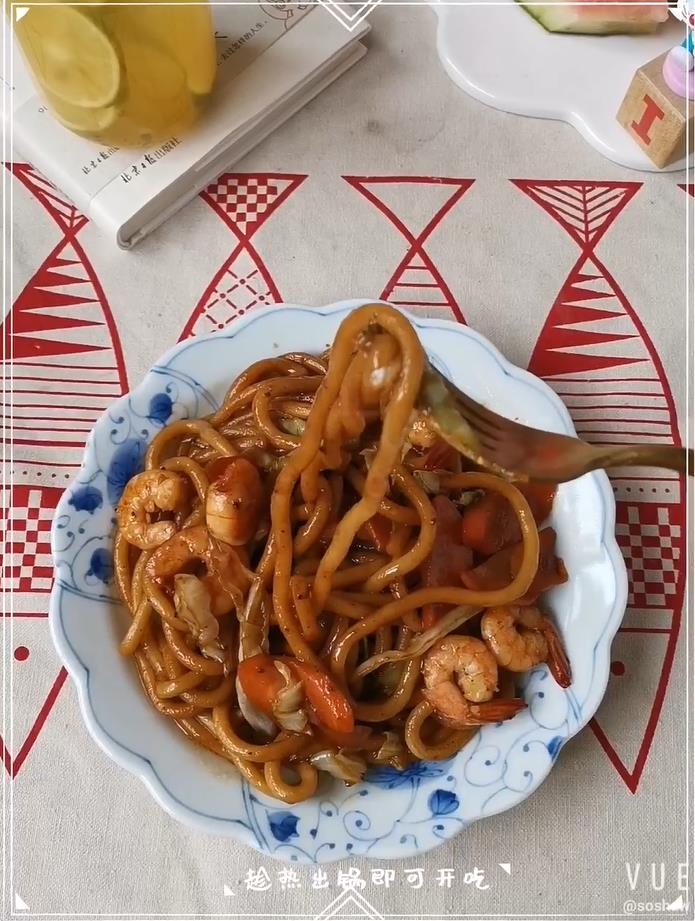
495,711
558,663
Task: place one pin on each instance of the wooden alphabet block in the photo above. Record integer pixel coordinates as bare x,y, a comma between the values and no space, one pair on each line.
655,116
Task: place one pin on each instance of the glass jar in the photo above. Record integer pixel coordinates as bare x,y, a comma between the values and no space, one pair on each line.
129,76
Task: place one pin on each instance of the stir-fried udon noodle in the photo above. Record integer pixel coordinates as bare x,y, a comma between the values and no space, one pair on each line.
317,582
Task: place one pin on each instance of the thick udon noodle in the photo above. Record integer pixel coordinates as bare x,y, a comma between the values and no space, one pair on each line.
329,435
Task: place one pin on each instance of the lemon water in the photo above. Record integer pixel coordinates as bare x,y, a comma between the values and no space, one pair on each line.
124,75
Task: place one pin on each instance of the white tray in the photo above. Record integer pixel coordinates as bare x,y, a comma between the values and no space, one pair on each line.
502,57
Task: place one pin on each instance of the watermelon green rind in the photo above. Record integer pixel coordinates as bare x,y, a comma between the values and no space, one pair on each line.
603,19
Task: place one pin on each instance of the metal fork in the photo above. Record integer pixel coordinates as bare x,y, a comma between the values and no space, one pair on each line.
520,453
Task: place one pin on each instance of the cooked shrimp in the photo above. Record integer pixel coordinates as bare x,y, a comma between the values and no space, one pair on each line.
145,495
226,579
522,637
460,676
466,660
291,692
234,501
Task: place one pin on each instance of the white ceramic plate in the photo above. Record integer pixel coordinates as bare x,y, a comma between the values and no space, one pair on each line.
391,814
504,58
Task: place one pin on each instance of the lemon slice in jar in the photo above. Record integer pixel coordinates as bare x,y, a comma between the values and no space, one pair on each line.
80,119
185,33
70,55
157,99
190,37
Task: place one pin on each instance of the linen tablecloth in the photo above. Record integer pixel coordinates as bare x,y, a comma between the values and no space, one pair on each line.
392,184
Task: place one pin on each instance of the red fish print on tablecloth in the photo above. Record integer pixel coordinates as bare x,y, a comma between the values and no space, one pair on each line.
416,206
59,330
596,354
244,201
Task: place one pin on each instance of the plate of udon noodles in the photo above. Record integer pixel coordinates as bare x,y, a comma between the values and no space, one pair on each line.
302,618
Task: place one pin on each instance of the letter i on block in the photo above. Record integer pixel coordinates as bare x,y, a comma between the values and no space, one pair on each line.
655,116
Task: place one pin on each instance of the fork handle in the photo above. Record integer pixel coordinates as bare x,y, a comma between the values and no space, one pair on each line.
665,456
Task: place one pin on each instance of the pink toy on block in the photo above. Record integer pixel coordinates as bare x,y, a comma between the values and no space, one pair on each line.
658,108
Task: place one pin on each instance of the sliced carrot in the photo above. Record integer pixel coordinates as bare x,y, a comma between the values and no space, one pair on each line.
493,574
261,682
489,524
378,532
540,496
500,569
330,706
448,559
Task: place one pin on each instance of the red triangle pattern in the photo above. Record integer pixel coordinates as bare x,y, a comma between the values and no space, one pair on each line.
563,345
44,291
599,358
636,671
27,319
61,209
568,338
574,291
416,280
244,201
567,312
51,277
60,317
585,209
689,188
27,570
13,765
57,330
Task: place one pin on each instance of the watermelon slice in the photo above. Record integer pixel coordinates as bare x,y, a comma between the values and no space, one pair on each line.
595,18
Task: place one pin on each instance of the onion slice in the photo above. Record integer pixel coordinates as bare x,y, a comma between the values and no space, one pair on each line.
419,645
347,767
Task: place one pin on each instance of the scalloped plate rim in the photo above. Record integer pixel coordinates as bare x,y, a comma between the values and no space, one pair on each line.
140,766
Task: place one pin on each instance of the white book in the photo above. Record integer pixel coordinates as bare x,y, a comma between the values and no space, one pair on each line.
272,59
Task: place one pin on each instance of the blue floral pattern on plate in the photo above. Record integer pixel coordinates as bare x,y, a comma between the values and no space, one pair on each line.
391,813
111,459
